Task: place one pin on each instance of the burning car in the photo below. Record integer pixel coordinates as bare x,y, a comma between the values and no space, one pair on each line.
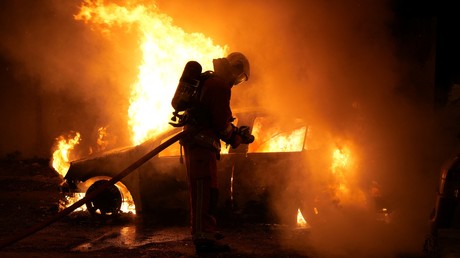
252,177
269,180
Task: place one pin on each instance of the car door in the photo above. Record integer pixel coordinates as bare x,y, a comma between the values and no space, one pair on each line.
163,179
264,173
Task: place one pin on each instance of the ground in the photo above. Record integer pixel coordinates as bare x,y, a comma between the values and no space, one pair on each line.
30,195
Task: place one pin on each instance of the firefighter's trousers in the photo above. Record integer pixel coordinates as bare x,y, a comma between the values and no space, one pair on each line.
201,163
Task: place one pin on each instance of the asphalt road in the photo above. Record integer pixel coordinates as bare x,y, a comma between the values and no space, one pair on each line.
29,195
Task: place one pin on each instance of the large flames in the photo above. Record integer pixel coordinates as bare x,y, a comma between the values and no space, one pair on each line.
165,50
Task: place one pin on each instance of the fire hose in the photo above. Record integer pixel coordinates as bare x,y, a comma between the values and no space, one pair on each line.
98,190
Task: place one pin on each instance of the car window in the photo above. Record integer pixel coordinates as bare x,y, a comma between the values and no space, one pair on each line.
270,136
174,149
277,135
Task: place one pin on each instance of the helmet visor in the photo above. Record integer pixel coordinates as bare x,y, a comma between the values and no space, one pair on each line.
240,79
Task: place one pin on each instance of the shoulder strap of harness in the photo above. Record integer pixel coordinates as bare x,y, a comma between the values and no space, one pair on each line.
204,76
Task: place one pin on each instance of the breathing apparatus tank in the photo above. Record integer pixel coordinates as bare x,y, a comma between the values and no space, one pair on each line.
186,92
188,86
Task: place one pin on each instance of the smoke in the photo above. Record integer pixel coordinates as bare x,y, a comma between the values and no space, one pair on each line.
340,66
77,79
333,63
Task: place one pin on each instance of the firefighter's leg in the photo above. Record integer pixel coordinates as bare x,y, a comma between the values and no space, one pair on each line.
200,163
213,202
201,167
203,223
213,206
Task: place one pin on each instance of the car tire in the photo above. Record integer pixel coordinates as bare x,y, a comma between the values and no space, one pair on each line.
105,204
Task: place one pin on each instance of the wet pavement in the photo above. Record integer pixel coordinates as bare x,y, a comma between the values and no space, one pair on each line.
82,236
29,195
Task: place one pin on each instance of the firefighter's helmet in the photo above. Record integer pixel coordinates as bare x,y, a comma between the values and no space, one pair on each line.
240,67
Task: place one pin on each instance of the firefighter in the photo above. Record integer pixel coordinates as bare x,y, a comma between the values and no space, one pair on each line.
214,117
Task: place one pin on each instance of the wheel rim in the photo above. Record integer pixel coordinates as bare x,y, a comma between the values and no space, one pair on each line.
107,203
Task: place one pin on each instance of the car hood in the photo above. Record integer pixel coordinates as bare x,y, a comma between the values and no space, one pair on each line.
108,163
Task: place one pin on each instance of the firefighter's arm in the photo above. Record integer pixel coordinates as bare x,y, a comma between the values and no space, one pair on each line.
222,117
235,136
230,135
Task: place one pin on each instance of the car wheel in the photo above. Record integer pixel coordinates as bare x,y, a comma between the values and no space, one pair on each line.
107,203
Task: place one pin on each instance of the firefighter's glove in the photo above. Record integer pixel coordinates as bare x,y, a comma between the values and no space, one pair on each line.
245,133
235,138
241,135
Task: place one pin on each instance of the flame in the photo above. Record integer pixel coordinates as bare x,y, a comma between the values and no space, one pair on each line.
69,199
340,160
343,186
102,141
166,49
339,167
61,155
301,222
272,138
127,205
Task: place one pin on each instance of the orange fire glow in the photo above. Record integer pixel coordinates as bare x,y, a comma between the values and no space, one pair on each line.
301,222
127,205
343,185
271,138
102,141
61,154
166,49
